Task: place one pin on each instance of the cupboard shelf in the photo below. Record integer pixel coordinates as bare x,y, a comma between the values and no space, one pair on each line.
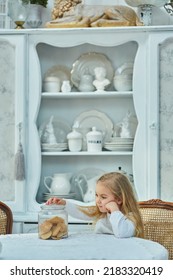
104,153
72,94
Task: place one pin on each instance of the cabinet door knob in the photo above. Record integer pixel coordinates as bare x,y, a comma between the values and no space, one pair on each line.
153,126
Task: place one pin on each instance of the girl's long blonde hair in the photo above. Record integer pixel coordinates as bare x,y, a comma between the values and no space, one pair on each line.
121,187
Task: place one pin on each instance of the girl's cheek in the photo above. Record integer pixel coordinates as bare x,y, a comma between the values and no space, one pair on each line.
104,203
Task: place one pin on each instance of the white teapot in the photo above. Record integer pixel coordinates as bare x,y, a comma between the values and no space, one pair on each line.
60,184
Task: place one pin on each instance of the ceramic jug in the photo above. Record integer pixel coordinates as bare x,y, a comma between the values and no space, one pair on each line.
60,183
86,83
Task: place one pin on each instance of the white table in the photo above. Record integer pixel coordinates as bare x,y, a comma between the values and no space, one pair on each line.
85,246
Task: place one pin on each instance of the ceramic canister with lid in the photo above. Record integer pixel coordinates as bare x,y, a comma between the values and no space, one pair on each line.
94,140
51,84
74,140
53,222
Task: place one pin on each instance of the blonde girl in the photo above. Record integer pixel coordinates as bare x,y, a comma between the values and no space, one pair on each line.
116,211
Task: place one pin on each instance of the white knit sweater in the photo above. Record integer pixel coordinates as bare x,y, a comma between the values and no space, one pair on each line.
115,223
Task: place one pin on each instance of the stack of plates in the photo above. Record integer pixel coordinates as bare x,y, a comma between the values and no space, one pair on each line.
54,147
119,144
46,196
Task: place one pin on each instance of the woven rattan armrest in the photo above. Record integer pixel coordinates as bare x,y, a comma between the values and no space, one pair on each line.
157,216
6,219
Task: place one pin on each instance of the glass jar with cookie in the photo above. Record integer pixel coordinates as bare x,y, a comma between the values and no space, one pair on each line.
52,222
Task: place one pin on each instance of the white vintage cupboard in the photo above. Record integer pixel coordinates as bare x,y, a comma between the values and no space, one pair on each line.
38,50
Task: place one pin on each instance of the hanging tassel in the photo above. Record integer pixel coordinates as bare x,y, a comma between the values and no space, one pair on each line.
19,160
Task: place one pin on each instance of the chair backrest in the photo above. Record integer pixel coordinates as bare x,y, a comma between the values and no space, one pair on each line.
157,216
6,219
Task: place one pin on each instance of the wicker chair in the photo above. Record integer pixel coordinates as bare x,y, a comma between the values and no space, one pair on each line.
157,216
6,219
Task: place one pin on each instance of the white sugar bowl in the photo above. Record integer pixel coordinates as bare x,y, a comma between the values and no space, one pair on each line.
74,140
94,140
51,84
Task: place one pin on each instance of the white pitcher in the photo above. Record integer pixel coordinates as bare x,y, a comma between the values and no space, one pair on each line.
60,184
89,195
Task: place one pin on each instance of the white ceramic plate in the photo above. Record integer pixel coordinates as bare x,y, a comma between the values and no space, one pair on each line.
60,71
125,69
54,146
61,129
86,63
117,145
119,149
98,119
57,149
121,140
46,196
59,195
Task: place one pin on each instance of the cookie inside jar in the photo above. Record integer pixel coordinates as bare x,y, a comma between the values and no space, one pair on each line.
53,222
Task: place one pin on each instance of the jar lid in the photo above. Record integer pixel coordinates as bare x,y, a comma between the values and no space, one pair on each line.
52,207
51,79
94,132
74,134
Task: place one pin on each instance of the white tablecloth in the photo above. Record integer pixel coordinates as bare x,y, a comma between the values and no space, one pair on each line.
79,247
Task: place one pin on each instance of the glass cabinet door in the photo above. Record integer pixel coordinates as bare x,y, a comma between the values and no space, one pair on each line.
12,112
63,50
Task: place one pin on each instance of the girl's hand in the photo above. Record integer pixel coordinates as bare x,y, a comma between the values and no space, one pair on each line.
55,200
112,206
